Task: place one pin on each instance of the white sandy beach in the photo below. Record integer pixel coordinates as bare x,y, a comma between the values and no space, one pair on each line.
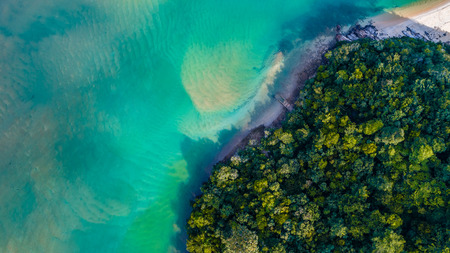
430,17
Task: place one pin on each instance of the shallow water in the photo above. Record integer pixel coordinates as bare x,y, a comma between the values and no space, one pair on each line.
110,111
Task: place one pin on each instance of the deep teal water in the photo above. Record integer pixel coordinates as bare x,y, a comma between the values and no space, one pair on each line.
110,111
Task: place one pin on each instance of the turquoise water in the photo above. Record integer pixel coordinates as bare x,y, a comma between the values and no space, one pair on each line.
110,111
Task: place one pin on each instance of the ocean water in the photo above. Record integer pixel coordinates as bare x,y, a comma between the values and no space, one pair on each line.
111,111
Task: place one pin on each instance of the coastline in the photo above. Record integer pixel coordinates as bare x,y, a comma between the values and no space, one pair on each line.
430,19
419,8
310,55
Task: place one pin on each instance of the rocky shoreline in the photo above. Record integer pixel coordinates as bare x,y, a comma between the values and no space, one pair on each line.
357,32
370,31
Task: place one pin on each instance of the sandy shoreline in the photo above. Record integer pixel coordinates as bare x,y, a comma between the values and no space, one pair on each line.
417,9
430,18
303,61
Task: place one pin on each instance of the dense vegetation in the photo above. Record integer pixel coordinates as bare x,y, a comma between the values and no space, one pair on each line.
362,164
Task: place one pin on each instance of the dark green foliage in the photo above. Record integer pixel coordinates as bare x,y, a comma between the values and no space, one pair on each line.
362,166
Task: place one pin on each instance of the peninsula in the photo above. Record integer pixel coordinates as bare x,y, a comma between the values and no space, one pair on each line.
360,164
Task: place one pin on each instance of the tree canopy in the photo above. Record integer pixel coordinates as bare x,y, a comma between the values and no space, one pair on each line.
361,165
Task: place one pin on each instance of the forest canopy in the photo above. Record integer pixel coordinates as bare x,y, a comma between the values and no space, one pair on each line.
361,164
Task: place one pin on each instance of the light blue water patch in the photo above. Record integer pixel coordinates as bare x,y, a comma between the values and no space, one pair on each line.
107,108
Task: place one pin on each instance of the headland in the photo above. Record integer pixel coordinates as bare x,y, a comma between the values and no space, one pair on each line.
426,20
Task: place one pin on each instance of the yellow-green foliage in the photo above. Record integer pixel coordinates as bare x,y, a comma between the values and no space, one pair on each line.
372,126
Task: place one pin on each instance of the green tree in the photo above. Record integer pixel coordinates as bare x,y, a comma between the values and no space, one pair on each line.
242,240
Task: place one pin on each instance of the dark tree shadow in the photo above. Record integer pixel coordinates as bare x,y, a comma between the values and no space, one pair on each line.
200,157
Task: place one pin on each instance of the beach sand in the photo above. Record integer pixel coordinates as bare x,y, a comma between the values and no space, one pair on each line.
428,18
